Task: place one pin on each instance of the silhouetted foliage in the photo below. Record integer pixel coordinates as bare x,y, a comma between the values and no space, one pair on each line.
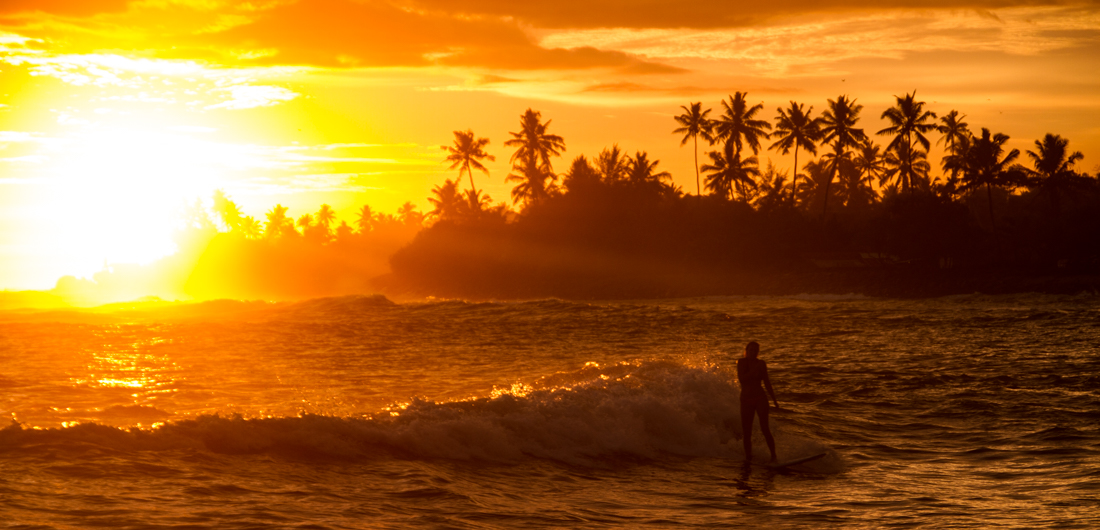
615,227
693,124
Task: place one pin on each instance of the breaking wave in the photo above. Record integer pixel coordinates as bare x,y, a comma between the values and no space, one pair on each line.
591,416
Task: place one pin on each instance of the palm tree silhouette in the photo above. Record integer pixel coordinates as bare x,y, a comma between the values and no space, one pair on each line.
581,177
738,126
908,167
447,202
325,216
869,161
694,123
475,204
531,162
364,219
643,172
953,131
908,119
227,211
1053,174
854,186
612,164
251,227
838,126
985,163
467,154
795,128
408,215
728,172
533,186
772,189
278,223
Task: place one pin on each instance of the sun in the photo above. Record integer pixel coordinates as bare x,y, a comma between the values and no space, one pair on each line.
117,193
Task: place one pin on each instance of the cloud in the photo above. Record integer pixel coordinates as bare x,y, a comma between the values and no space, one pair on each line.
699,14
811,48
320,33
252,96
64,7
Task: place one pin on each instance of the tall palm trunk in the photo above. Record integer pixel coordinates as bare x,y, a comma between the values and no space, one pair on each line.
794,180
989,195
909,155
471,173
698,190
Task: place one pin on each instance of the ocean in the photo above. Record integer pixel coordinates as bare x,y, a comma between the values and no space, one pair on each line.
357,412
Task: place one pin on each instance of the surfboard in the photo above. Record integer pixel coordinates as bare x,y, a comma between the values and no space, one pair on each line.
795,461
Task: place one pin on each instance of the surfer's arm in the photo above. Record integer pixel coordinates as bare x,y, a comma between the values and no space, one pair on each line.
768,383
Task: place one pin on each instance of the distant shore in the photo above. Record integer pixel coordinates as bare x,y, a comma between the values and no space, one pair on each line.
874,283
877,283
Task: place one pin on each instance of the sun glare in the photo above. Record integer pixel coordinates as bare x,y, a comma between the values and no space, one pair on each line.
117,194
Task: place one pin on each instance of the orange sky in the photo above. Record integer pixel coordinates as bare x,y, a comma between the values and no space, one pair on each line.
113,113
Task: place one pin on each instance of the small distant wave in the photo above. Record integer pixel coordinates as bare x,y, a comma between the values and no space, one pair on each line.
589,417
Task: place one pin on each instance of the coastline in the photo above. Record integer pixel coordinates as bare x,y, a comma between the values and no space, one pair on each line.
896,283
877,283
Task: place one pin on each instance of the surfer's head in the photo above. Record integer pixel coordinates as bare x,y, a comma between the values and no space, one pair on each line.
752,349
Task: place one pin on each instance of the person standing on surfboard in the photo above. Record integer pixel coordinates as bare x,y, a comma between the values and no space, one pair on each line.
751,372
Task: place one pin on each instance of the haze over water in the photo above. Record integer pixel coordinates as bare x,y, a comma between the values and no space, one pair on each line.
361,413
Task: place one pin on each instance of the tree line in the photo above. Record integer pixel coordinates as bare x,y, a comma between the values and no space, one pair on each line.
620,216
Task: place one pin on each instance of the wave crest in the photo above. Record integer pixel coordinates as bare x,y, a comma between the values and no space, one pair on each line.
588,416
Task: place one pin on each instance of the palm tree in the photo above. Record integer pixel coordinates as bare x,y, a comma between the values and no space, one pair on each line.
834,163
250,227
535,183
985,163
693,124
325,216
839,127
581,177
278,223
908,167
467,154
772,189
869,161
738,126
952,130
854,189
953,133
643,172
819,174
612,164
447,203
475,204
408,215
729,172
1053,173
908,119
227,211
795,128
531,162
364,219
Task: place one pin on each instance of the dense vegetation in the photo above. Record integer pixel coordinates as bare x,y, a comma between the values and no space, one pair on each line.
858,216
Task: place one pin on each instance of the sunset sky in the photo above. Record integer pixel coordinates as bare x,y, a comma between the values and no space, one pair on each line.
115,113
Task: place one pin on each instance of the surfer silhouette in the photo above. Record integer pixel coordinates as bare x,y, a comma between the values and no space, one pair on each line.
751,373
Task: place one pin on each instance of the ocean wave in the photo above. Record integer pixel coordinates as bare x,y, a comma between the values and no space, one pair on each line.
590,416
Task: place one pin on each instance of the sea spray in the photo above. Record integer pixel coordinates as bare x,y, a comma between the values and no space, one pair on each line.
626,411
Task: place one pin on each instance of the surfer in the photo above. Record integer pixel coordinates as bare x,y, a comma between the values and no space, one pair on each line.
751,372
